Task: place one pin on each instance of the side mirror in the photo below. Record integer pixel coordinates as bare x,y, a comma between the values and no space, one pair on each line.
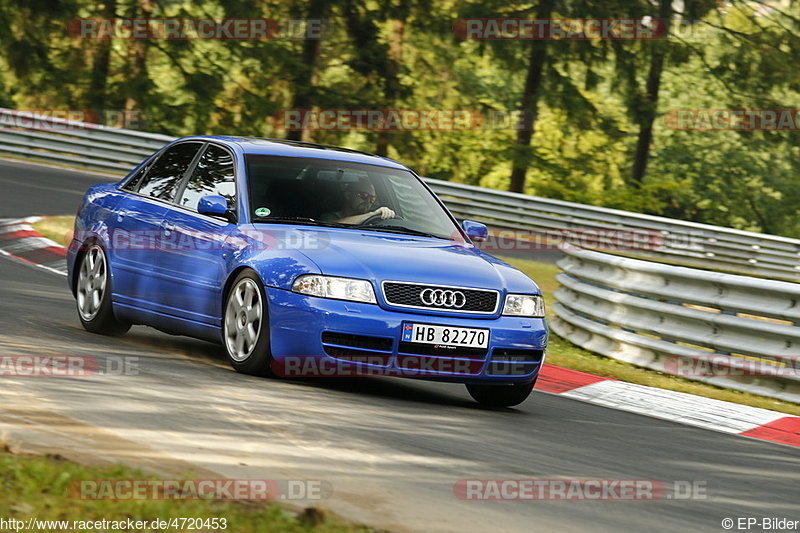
475,230
215,206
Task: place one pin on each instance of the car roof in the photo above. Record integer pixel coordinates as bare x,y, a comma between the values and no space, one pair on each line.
287,148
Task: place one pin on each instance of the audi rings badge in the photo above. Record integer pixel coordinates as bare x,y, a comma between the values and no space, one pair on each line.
443,298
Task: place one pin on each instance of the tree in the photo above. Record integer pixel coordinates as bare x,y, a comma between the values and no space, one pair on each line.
529,102
649,108
101,64
304,88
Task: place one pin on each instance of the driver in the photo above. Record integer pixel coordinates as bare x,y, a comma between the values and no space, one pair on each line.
358,198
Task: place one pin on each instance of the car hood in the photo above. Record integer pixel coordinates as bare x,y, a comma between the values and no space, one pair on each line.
380,256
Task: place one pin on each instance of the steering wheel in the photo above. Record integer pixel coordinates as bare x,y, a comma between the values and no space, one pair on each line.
375,219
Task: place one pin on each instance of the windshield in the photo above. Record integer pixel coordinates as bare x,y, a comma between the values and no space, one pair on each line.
337,193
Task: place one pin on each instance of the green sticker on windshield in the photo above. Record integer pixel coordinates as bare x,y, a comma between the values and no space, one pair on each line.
263,212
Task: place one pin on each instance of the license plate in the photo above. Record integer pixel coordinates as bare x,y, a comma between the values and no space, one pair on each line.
446,335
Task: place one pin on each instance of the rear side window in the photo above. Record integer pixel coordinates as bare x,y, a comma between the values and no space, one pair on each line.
133,183
212,175
165,175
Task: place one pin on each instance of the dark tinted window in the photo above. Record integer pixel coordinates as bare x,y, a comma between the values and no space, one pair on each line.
212,175
165,175
331,191
133,183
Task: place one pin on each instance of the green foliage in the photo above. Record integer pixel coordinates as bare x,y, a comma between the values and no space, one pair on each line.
592,102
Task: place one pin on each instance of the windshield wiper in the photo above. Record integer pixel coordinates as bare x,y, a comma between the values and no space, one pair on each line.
298,220
286,219
314,222
400,229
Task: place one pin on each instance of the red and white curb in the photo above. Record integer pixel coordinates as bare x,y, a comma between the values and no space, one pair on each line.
20,242
679,407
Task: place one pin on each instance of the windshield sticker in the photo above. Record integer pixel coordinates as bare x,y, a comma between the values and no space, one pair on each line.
263,212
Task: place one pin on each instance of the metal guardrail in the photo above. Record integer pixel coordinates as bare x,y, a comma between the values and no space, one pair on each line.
73,143
674,241
686,243
732,331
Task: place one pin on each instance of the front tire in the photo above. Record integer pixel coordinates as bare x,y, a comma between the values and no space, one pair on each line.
501,395
93,295
245,326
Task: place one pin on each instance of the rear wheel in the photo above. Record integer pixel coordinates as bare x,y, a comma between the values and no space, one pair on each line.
93,294
501,395
246,326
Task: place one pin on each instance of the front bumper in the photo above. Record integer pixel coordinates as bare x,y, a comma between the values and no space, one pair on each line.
313,336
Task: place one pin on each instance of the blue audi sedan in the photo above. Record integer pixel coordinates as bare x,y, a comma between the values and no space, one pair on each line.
305,260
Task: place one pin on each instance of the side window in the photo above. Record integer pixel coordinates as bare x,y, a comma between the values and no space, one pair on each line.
212,175
165,175
133,183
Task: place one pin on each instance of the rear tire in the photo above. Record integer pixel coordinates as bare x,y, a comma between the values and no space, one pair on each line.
93,295
245,326
501,395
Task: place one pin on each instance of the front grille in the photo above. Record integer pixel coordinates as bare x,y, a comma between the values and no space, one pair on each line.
358,348
514,362
439,365
442,350
358,356
410,295
357,341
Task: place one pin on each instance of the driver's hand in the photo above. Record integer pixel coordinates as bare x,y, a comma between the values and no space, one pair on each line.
384,212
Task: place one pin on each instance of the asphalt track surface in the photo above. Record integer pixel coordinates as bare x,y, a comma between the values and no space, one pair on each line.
390,449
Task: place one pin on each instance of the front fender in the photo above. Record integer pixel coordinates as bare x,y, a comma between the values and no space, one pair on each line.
91,224
276,255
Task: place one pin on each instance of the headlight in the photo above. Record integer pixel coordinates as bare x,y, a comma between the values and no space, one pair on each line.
356,290
524,305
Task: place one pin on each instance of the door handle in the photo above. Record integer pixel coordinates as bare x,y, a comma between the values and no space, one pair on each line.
121,215
167,227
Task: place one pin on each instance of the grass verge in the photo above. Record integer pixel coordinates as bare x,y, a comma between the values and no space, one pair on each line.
41,488
57,229
560,352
